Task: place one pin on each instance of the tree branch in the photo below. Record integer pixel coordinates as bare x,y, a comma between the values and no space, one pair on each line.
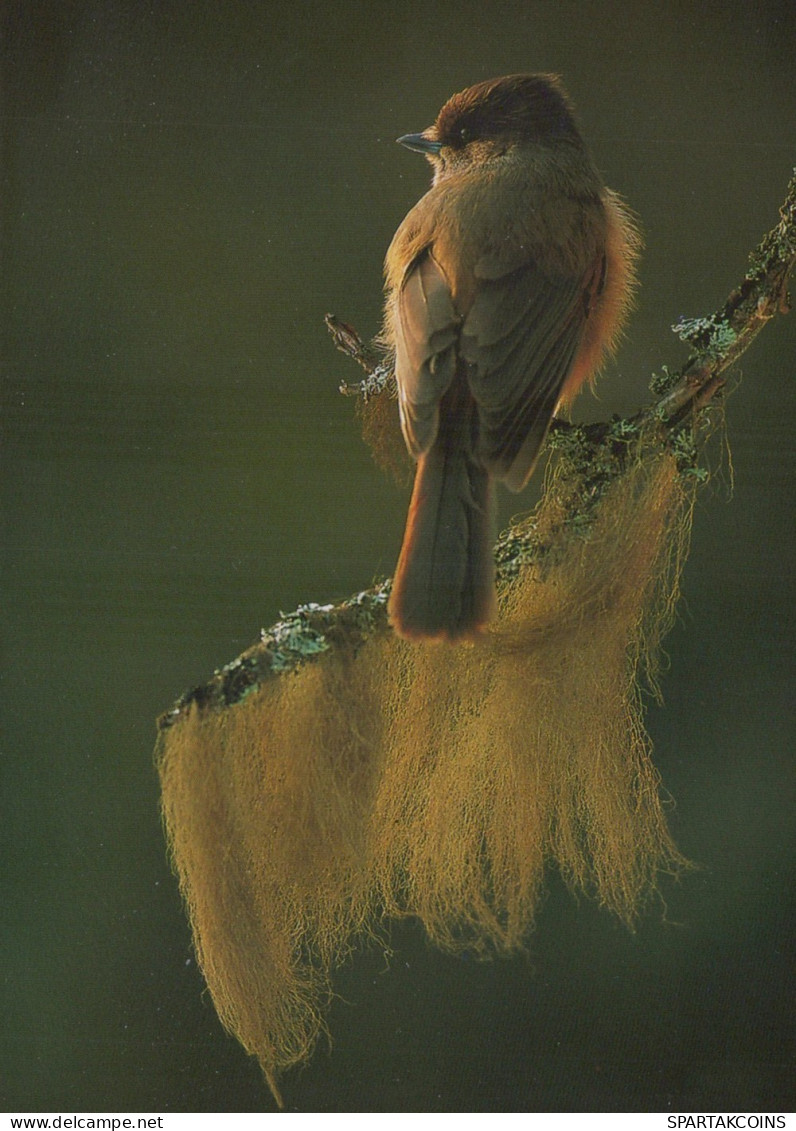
600,453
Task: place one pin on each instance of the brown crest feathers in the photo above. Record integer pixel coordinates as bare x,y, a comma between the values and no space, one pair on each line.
528,106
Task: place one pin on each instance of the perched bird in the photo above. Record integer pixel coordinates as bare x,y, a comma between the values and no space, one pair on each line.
506,285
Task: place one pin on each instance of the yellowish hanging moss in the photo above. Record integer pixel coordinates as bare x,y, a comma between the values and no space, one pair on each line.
530,748
266,808
433,781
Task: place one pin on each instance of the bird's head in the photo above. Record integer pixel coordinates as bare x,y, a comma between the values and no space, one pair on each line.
488,119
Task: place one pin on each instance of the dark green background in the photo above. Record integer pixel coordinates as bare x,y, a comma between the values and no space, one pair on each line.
187,189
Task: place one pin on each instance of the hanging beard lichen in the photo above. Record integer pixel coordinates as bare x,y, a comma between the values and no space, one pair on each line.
434,781
531,747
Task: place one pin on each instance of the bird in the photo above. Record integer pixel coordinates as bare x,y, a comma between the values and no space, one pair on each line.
506,285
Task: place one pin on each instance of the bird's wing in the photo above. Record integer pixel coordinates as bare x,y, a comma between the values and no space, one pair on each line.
426,331
520,339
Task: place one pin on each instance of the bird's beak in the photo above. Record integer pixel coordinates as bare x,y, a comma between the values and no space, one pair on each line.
419,143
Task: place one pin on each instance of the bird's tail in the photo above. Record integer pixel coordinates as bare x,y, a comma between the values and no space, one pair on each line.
444,587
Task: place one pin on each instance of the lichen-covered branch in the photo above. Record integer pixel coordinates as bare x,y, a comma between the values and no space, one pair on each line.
598,454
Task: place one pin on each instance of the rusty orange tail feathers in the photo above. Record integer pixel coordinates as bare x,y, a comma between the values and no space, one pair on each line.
444,586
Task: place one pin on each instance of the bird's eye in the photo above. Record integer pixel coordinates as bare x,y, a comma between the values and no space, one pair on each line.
464,135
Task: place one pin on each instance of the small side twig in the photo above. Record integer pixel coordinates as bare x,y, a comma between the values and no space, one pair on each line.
378,366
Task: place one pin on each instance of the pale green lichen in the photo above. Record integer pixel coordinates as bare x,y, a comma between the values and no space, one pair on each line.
712,336
293,638
664,381
686,453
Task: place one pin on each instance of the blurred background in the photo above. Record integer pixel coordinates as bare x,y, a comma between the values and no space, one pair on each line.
187,188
